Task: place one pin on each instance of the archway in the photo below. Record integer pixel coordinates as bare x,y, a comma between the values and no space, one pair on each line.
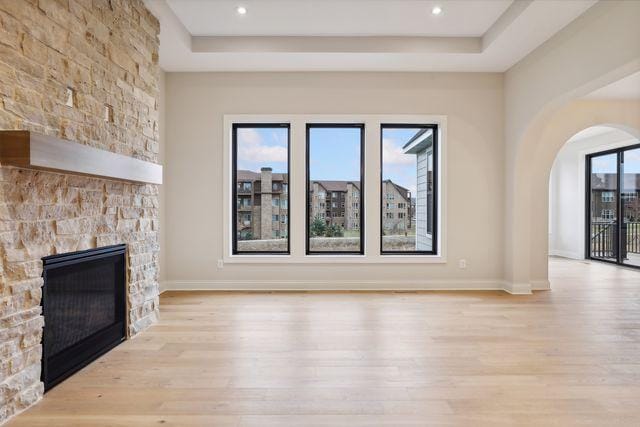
570,189
529,203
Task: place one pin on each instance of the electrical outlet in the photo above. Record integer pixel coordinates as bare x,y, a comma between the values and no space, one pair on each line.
220,263
462,263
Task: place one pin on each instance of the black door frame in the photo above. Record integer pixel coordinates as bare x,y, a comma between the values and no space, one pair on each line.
619,206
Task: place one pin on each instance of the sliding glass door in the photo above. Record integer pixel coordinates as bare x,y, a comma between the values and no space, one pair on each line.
630,206
603,206
613,206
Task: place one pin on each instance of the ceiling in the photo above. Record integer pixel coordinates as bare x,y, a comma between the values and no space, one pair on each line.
594,131
337,17
627,88
356,35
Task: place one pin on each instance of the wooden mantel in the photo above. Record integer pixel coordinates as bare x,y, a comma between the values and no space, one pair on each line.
27,149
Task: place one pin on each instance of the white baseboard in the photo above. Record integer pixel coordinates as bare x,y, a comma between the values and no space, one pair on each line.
540,285
566,254
326,285
518,288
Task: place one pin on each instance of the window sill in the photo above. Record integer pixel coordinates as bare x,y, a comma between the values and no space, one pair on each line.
335,259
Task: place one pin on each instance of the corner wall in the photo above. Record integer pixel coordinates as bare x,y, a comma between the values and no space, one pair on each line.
598,48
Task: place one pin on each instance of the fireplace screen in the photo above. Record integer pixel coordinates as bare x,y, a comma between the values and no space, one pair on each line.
83,304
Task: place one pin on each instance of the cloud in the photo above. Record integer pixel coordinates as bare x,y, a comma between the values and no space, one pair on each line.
392,154
253,148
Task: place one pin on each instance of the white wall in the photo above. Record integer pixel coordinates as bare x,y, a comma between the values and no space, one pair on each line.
194,227
567,191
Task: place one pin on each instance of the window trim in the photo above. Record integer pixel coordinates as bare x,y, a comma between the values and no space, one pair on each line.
234,186
434,236
308,127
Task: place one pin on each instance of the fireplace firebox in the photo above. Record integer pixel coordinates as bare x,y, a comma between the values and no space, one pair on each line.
84,306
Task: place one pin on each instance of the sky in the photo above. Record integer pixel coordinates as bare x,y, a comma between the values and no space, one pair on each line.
262,147
334,153
608,163
399,167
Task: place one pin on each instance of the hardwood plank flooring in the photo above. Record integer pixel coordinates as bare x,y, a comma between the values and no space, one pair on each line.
566,357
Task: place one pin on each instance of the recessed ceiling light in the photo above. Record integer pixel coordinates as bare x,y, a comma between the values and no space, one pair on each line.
437,10
241,10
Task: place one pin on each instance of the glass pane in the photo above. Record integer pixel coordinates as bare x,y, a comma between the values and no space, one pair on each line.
334,191
604,212
630,192
408,189
261,188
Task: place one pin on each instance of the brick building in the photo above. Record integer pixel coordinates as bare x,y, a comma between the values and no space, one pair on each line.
263,199
262,204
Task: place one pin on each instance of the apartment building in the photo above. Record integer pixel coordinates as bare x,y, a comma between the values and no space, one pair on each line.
397,212
337,202
604,197
262,204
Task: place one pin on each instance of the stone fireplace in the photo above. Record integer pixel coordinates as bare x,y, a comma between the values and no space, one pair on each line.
63,64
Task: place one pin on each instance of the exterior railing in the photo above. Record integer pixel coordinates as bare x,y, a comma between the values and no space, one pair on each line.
633,237
604,239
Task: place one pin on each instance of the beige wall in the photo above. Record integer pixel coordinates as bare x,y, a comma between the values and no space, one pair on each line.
473,104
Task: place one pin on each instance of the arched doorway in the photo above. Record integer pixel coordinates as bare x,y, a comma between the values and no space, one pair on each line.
592,213
528,206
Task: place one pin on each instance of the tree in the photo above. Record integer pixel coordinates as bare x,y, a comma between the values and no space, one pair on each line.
334,230
318,227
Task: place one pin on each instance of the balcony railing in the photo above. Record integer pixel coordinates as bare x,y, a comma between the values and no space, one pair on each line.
604,239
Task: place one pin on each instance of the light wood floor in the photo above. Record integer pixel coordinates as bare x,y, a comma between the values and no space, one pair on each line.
566,357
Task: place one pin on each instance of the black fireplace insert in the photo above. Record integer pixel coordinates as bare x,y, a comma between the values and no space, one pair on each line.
83,303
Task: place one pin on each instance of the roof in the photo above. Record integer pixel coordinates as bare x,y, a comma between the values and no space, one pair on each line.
419,141
400,188
337,185
246,175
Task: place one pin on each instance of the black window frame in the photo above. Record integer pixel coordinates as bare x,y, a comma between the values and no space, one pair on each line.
310,126
436,189
619,217
234,186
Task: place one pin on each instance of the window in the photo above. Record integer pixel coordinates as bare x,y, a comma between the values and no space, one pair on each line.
260,158
335,162
607,214
244,202
409,177
628,196
285,188
607,196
